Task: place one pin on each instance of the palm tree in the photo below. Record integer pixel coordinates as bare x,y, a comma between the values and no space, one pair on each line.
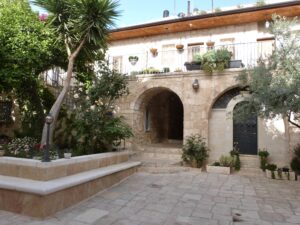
82,25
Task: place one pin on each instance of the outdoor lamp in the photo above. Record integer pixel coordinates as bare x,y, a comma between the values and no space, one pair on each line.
196,84
49,119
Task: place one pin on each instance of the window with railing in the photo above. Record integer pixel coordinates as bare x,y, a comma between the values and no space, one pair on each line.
194,49
168,56
117,63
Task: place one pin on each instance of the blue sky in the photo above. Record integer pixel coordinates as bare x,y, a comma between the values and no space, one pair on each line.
141,11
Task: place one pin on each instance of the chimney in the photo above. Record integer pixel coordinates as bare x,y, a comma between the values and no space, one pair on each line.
189,8
166,13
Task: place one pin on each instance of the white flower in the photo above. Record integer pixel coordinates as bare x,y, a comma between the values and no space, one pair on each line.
93,107
76,96
80,89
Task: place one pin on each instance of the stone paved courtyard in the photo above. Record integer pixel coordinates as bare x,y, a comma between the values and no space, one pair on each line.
186,198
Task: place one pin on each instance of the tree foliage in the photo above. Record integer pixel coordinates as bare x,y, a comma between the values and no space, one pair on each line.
27,47
95,125
274,83
83,26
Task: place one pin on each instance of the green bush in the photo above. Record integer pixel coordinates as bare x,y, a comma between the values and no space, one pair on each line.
226,161
295,163
215,60
236,157
263,154
195,151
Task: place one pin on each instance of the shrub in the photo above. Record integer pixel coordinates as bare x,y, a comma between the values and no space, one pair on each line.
195,151
21,147
263,154
226,161
295,163
215,60
236,157
260,2
216,164
272,168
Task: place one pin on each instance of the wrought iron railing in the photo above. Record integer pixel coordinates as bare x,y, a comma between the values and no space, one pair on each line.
174,60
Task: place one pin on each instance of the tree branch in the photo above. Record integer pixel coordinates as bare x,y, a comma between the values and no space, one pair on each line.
292,122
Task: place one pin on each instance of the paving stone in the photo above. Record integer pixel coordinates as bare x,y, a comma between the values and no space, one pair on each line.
91,215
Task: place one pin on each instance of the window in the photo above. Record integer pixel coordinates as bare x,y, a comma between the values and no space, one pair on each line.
117,63
228,43
168,55
265,47
194,49
147,120
5,111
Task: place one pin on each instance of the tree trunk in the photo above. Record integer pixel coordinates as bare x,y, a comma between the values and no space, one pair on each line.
58,103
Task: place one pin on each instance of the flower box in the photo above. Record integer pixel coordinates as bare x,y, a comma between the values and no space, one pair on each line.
192,66
218,169
235,64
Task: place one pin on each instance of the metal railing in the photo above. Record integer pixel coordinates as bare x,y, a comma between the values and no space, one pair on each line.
173,60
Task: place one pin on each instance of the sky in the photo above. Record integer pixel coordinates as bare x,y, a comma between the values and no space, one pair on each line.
134,12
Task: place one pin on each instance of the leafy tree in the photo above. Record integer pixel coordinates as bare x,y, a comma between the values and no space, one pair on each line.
274,83
27,47
82,25
95,127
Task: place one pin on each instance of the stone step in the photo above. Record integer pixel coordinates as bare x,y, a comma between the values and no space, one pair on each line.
253,172
163,150
250,161
151,155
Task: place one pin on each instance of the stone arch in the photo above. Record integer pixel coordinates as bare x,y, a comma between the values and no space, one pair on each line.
157,116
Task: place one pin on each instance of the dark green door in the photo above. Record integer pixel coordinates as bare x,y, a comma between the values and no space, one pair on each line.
245,133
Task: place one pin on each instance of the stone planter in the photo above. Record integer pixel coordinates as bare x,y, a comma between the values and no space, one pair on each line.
235,64
192,66
218,169
67,155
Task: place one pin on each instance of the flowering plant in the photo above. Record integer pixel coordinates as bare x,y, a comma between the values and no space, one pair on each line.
21,147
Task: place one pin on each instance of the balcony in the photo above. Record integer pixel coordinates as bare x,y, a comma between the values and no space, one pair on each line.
173,60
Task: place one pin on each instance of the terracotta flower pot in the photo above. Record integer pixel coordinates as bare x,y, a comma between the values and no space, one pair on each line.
153,51
210,43
179,47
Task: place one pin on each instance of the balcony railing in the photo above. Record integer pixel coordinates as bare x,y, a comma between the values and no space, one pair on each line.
174,60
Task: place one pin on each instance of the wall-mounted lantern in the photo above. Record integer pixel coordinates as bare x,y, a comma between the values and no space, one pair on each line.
196,84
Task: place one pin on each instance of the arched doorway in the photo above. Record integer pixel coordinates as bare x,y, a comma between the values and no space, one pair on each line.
160,117
245,131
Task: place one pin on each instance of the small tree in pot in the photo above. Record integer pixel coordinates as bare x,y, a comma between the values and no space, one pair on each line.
195,151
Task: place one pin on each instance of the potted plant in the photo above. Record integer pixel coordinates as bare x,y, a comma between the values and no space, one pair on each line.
263,155
270,170
133,59
195,151
210,44
295,163
195,64
222,167
166,70
67,154
153,51
215,60
180,47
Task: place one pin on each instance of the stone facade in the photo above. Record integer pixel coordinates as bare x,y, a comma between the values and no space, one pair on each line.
198,115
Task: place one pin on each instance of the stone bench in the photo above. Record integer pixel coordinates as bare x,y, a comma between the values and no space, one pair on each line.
43,198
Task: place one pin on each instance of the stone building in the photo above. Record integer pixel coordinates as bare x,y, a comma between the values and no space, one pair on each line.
167,102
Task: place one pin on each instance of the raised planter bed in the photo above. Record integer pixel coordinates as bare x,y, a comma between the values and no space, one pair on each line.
38,189
218,169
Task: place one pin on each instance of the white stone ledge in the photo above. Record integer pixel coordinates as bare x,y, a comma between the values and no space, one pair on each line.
49,187
58,162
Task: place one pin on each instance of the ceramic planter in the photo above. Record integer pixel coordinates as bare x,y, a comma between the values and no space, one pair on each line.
210,43
235,64
67,155
133,61
180,47
218,169
192,66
